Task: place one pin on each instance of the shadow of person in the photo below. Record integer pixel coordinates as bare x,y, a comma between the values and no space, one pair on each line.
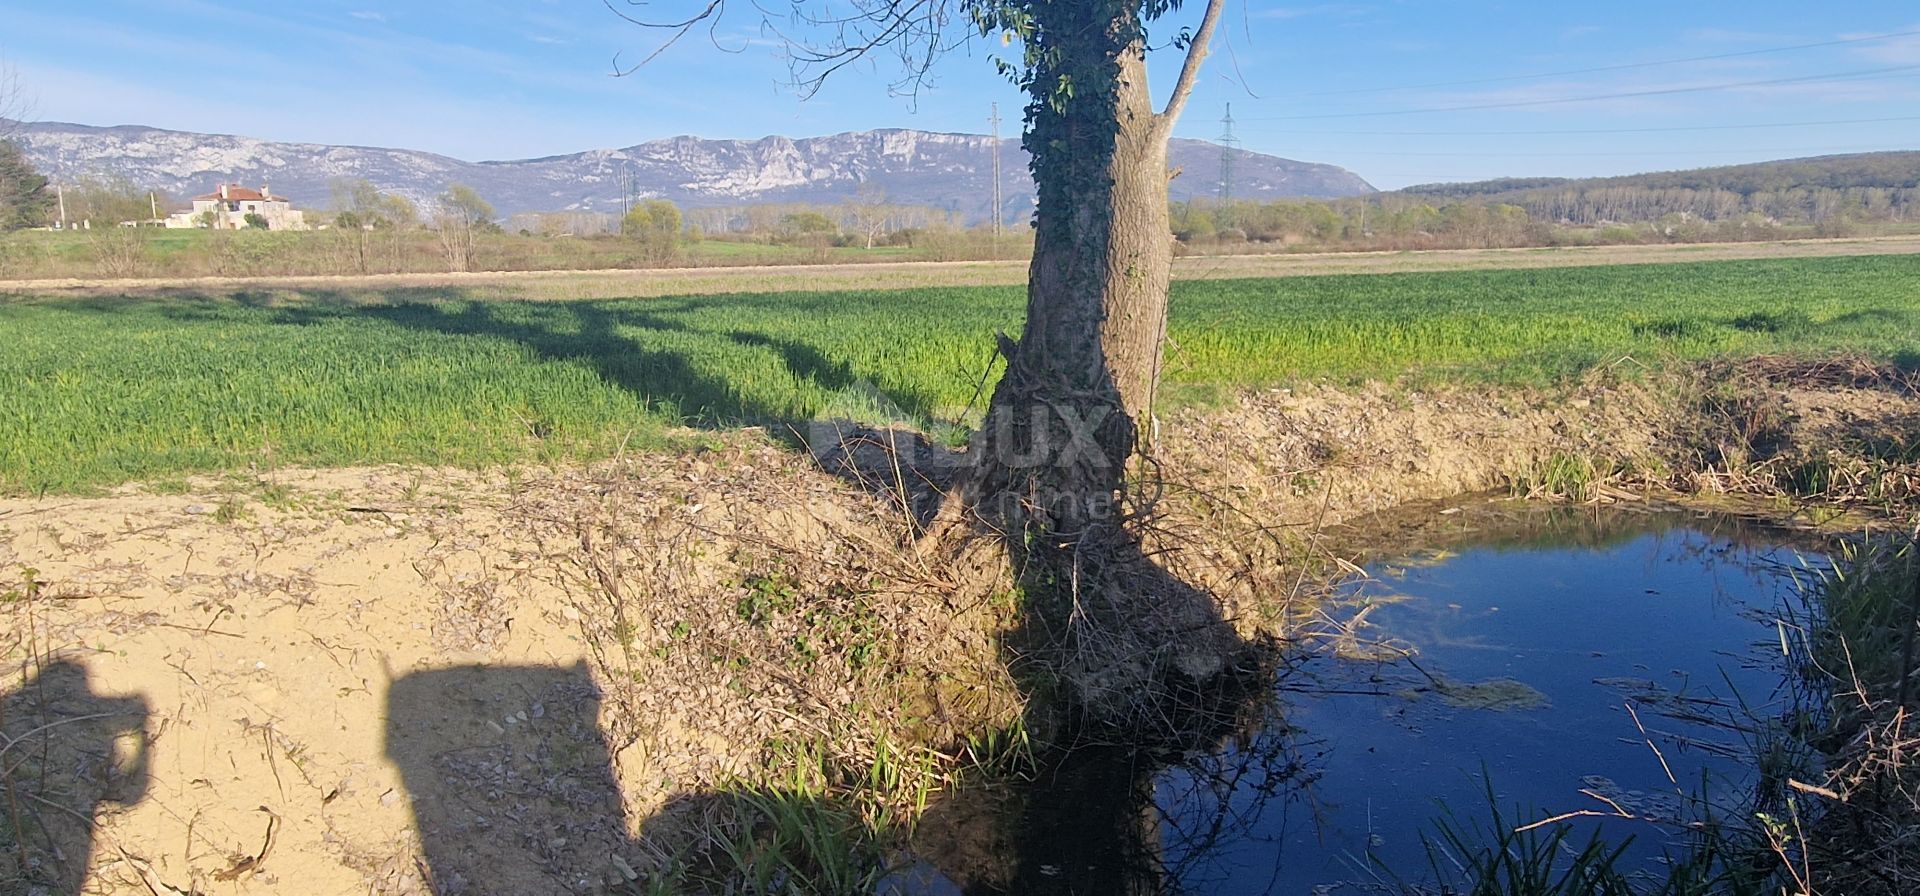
514,791
64,751
511,779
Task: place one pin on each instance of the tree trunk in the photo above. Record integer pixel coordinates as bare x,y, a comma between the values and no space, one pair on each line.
1066,418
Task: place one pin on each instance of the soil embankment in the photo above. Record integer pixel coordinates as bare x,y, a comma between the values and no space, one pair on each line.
409,681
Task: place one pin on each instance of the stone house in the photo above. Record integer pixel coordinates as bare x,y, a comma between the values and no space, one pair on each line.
227,208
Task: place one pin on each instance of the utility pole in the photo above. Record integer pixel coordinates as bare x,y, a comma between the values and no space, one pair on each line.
61,192
996,178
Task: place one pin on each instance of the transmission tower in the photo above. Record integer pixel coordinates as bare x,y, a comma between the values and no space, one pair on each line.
1228,144
996,176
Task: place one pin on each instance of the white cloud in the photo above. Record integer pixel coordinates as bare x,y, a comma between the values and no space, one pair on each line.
1897,51
367,15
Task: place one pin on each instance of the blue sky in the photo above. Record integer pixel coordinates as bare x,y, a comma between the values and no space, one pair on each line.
1346,83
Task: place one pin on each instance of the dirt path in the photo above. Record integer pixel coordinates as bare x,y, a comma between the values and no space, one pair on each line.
558,285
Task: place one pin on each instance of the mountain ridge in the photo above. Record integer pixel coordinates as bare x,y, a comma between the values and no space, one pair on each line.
911,167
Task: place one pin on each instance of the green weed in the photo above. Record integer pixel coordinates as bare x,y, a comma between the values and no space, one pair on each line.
767,596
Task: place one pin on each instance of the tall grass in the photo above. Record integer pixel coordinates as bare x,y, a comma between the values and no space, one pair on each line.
95,392
1866,839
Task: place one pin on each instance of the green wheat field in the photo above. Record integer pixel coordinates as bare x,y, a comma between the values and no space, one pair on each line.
96,392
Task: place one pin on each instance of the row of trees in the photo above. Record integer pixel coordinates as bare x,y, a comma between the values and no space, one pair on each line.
867,220
379,224
1893,170
1789,205
1568,216
374,231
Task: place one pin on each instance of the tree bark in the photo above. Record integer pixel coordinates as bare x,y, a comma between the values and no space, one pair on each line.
1066,418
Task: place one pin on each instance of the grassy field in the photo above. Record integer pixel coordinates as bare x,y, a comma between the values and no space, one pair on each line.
96,391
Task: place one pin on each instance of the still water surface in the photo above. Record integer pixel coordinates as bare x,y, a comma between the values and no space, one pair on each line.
1500,656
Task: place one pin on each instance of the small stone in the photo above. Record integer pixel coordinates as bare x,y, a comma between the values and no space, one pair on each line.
199,509
390,799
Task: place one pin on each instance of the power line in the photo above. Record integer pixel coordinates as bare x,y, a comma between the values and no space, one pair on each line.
1654,130
1804,79
1612,68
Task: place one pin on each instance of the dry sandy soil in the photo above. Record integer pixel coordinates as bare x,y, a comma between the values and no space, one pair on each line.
902,275
411,681
407,681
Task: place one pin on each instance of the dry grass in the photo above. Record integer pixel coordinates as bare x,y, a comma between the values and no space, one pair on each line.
1824,432
849,672
1856,831
568,285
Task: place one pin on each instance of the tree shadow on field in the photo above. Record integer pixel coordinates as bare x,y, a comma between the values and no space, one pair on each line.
65,753
654,349
713,362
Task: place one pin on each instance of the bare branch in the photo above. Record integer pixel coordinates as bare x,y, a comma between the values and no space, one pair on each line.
713,7
821,41
1190,72
911,28
14,105
679,29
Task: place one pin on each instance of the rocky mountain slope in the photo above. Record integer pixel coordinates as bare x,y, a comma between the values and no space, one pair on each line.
952,171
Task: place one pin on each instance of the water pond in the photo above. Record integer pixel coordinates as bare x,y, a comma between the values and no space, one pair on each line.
1543,662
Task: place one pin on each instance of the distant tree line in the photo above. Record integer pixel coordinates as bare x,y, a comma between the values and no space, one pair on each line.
1836,196
1860,188
366,230
1876,169
1591,205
